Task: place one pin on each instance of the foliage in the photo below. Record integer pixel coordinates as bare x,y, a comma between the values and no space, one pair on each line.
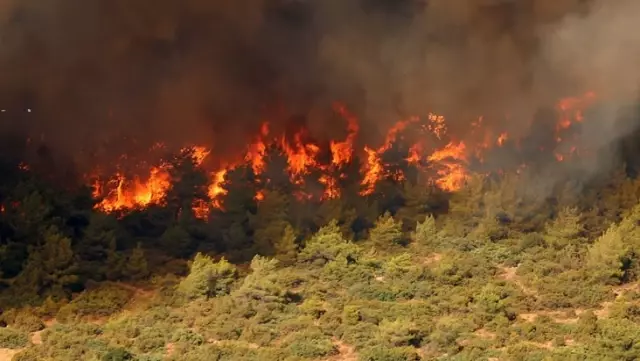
426,232
103,301
262,284
51,267
270,222
310,345
493,271
10,338
609,258
208,278
25,319
327,245
136,266
380,353
565,229
118,354
387,232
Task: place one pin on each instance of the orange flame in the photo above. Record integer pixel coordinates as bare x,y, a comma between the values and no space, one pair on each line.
342,152
449,162
134,194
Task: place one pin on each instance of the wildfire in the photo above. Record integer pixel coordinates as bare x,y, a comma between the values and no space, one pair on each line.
502,138
452,160
124,194
430,149
256,151
373,173
341,152
571,112
215,189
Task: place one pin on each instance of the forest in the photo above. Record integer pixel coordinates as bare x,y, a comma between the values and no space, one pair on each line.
313,180
535,262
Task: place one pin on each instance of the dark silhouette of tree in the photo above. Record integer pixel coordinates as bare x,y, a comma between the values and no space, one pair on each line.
189,184
136,267
51,266
270,221
238,204
96,244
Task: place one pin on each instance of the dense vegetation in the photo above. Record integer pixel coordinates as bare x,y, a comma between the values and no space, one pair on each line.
501,270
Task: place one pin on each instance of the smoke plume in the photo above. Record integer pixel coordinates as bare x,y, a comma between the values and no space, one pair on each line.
210,72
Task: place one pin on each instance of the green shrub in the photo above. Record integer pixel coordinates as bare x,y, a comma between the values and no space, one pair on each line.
50,307
381,353
103,301
118,354
359,335
525,352
24,319
187,336
12,338
207,278
72,342
311,345
150,340
387,232
398,333
28,354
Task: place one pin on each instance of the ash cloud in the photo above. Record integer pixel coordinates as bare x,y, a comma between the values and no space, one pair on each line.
210,72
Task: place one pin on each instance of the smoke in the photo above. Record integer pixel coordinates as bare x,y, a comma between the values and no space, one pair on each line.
210,72
598,49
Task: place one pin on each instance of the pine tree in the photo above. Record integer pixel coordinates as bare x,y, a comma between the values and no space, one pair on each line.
33,211
418,202
275,170
262,283
387,232
398,266
50,267
566,229
95,246
114,263
136,266
629,229
270,221
426,231
488,229
327,245
466,207
189,184
177,241
629,232
619,195
517,203
208,278
286,248
336,209
609,257
238,204
98,235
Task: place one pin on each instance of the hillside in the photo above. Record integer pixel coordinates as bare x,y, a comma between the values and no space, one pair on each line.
313,180
499,276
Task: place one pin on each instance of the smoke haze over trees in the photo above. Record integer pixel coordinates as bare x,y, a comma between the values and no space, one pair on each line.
211,71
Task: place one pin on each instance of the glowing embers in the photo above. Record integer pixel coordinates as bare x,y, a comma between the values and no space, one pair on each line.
571,112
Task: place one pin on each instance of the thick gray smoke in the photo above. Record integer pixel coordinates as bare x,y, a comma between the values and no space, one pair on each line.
598,49
210,72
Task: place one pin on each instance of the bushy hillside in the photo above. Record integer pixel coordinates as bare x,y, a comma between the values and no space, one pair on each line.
501,275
